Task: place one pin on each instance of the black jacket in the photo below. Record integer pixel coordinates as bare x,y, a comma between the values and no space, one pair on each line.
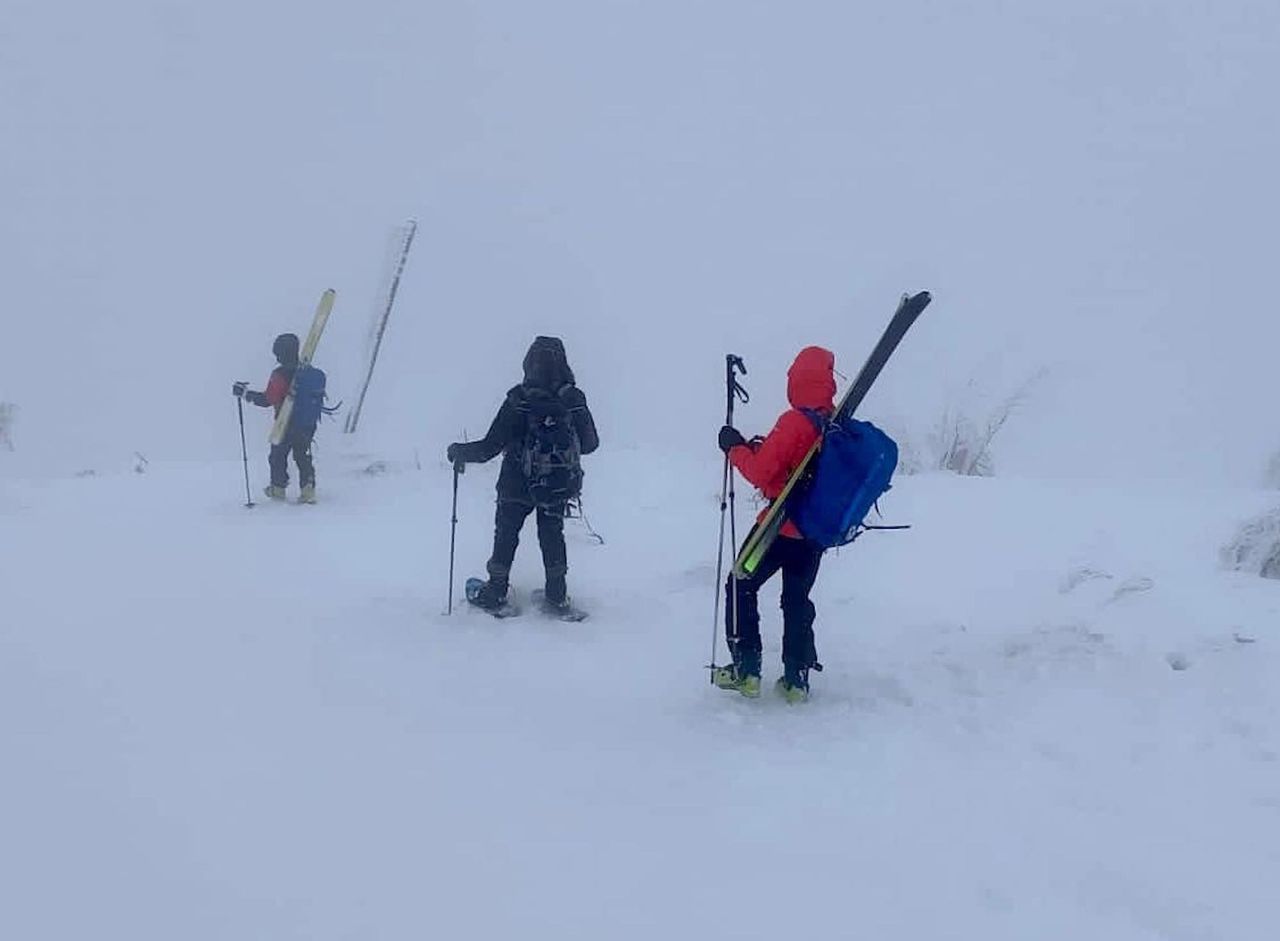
546,373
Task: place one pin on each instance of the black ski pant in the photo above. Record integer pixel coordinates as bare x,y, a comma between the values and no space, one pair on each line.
798,559
299,444
508,522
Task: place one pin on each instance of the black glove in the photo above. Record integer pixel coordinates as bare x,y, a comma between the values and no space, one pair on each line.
452,455
730,438
238,389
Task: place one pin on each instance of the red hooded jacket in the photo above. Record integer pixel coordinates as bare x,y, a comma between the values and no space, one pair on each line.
811,384
277,389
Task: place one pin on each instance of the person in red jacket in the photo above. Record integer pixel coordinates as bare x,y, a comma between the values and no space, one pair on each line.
767,463
297,440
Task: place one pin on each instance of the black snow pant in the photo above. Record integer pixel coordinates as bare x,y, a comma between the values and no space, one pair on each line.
508,522
799,560
299,443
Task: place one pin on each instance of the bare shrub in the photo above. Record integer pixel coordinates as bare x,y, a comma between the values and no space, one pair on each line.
8,414
961,442
1256,548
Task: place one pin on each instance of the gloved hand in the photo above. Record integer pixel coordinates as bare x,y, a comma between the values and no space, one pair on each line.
730,438
238,389
451,454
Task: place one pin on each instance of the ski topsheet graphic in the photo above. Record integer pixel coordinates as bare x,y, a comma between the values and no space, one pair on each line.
766,531
321,318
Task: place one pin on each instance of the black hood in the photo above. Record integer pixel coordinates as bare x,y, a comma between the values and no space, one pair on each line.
285,349
546,366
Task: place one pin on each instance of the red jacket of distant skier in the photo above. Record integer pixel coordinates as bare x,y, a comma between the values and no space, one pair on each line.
768,464
278,386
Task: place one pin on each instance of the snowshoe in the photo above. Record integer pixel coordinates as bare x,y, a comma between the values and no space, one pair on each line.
274,492
564,610
729,678
308,494
490,598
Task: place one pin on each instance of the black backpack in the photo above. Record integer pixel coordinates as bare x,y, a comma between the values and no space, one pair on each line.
551,456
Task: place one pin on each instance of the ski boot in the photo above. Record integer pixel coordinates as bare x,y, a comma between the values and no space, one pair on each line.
308,494
742,676
793,685
274,492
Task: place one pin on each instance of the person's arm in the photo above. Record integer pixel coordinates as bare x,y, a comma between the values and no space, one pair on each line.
778,454
274,396
583,422
491,445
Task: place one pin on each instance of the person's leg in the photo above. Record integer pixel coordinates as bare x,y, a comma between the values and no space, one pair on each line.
508,520
306,467
302,457
555,558
278,461
742,613
800,562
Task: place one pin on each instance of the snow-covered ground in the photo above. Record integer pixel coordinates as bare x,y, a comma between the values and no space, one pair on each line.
1046,713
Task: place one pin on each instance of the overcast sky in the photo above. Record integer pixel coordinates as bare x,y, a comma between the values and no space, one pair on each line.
1086,186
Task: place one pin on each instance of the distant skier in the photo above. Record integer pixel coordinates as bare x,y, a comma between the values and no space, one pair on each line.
307,409
767,463
542,428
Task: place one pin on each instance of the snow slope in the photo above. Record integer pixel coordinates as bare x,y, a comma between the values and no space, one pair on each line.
1045,714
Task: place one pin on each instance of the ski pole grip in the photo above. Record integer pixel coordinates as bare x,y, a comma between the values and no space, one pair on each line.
733,389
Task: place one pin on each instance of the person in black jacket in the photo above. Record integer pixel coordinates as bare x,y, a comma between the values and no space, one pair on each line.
541,429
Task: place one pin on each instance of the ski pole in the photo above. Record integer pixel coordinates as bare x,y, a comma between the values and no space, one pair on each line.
244,452
453,531
733,392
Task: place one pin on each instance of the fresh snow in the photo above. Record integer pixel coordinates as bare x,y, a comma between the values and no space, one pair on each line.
1045,714
1049,709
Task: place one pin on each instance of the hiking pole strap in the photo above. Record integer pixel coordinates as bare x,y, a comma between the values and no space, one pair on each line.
733,365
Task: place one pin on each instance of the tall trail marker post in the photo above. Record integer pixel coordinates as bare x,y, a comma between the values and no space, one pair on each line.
380,324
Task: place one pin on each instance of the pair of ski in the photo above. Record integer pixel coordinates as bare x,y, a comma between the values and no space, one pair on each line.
511,609
766,531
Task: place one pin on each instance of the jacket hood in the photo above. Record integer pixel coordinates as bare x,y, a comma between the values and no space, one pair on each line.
546,366
286,349
811,381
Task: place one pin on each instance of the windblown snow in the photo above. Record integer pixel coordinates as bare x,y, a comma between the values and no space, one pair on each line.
1049,710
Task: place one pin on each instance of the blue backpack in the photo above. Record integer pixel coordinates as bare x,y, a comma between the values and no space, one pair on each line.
308,399
853,468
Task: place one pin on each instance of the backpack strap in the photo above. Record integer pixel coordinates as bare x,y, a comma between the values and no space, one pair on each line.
818,420
864,528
